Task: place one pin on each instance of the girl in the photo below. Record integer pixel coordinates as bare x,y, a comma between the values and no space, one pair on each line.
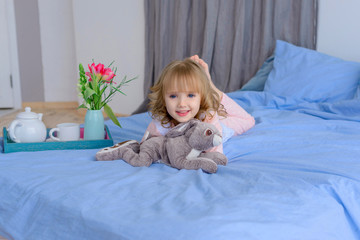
185,91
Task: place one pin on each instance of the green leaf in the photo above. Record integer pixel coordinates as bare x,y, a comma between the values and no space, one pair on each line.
82,106
81,68
82,71
88,93
102,90
118,90
132,79
109,112
111,63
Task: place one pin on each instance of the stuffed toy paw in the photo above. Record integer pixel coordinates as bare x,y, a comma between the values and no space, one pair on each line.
218,158
115,152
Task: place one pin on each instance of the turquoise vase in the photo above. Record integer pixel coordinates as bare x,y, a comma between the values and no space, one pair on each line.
94,125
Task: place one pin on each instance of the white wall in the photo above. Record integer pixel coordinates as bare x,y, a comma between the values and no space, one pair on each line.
13,53
29,50
339,28
113,30
58,50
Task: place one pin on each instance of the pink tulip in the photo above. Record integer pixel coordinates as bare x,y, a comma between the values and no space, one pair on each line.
105,74
108,74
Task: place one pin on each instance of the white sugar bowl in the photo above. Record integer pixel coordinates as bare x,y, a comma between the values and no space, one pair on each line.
27,127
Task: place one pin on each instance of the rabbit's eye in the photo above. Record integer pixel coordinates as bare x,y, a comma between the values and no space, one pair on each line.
208,132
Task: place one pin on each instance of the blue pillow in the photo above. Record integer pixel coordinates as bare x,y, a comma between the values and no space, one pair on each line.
357,95
257,82
308,75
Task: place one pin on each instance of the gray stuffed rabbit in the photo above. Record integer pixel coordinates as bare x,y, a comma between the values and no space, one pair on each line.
182,148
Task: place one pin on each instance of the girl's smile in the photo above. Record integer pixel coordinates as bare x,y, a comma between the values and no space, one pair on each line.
182,113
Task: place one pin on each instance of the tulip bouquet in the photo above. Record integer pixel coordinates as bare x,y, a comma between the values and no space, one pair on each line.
97,88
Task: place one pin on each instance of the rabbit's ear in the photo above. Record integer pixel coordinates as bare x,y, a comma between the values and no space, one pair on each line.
181,128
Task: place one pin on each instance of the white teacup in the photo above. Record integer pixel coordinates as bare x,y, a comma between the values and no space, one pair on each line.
66,132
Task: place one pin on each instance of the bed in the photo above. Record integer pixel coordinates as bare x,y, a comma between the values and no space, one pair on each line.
294,175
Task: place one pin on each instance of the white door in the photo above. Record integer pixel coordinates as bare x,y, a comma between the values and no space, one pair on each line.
6,90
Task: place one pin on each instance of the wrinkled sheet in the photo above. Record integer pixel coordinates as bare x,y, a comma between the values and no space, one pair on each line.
295,175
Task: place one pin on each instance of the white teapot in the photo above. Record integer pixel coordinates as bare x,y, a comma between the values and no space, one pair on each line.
27,127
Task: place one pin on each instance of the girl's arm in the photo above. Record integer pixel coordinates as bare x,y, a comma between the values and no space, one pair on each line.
151,131
237,118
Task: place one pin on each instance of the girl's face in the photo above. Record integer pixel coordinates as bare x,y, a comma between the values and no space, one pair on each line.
182,105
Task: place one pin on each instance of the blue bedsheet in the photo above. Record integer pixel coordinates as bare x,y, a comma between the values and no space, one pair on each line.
295,175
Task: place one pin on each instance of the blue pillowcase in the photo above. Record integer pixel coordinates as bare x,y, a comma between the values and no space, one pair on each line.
357,95
257,82
308,75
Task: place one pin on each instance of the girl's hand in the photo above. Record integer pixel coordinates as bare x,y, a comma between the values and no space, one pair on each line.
205,66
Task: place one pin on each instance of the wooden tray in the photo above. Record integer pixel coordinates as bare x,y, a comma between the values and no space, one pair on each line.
10,146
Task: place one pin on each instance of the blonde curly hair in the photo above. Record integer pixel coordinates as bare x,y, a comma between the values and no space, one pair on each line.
184,76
